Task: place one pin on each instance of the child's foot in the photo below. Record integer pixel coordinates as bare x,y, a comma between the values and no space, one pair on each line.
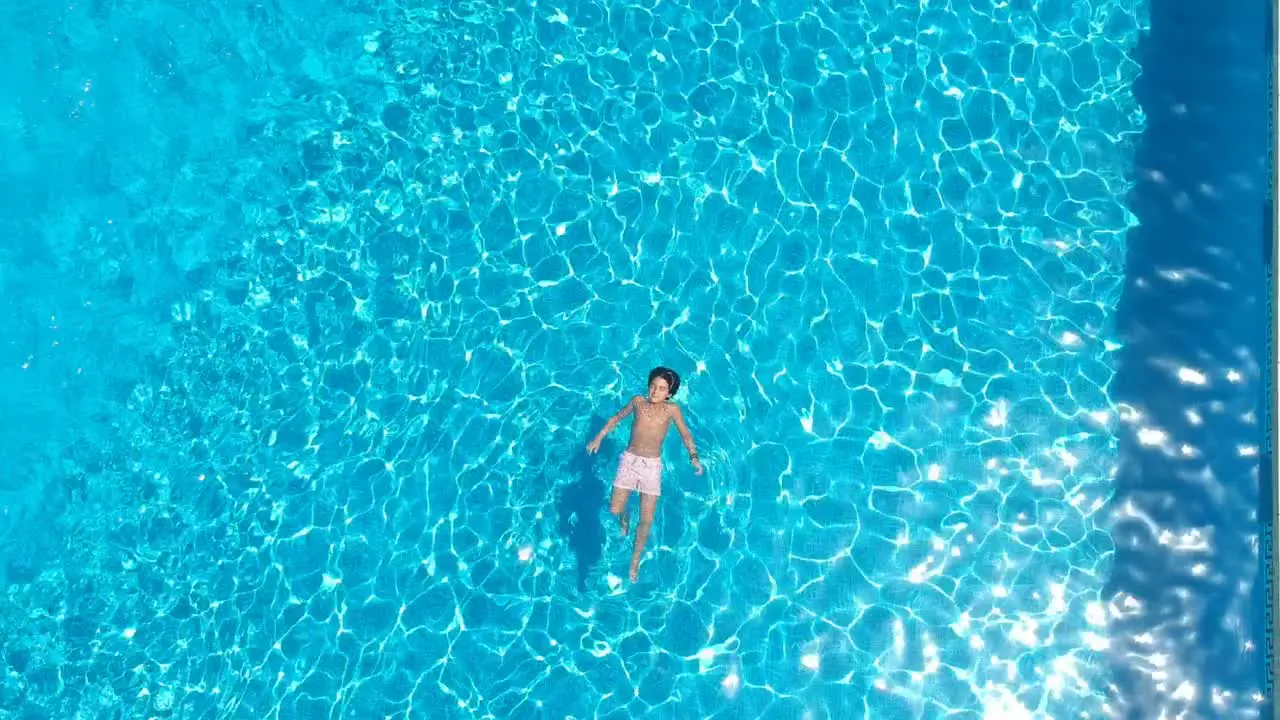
626,525
635,569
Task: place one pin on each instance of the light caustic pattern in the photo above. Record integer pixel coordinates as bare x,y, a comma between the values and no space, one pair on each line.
882,243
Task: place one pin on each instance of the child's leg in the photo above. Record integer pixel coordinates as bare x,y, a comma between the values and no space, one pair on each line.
648,505
618,507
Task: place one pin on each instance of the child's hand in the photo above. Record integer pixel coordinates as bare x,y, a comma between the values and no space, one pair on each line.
593,447
697,466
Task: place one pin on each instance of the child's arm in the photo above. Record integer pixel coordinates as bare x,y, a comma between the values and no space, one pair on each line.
683,429
621,415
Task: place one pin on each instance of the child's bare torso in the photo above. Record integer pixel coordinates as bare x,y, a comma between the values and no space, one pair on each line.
649,428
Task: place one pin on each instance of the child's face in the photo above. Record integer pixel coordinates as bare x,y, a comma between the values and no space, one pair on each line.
659,390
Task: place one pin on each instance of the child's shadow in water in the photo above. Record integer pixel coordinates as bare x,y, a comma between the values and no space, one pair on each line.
579,507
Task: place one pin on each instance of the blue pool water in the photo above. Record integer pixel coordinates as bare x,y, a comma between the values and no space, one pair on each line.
311,313
1193,514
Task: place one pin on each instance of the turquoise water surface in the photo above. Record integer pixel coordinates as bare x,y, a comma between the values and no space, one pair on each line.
315,309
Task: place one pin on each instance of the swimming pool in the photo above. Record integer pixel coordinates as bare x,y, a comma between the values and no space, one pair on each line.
315,312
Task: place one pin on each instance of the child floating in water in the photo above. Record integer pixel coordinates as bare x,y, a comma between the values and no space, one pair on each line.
640,467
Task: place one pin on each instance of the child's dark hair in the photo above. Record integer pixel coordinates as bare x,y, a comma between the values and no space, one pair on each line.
672,378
